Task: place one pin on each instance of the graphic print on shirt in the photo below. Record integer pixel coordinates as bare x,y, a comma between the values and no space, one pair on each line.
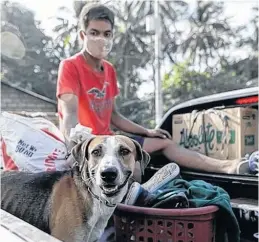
98,102
99,94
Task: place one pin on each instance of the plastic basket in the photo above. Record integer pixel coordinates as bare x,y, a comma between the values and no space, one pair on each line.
164,225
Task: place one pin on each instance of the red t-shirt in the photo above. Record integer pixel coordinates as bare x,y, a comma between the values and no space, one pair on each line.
95,91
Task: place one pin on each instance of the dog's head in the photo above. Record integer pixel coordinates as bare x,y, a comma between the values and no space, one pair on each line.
107,162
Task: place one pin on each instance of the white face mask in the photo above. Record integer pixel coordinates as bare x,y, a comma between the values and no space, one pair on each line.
98,47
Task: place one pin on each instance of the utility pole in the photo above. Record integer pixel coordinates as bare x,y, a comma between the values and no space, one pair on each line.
158,85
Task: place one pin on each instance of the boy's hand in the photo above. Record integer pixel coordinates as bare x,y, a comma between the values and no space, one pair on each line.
158,133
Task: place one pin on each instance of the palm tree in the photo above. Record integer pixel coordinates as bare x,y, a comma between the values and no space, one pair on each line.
209,33
66,30
252,40
135,48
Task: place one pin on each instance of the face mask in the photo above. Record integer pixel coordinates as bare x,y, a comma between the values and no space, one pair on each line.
98,47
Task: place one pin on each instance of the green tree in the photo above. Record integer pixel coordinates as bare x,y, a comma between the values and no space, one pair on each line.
34,70
184,83
210,34
134,50
250,40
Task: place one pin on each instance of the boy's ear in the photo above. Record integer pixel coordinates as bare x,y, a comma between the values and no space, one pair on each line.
81,34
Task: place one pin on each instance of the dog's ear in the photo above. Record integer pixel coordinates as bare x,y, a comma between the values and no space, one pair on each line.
142,156
80,151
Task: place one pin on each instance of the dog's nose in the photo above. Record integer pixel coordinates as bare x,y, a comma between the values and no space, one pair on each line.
109,174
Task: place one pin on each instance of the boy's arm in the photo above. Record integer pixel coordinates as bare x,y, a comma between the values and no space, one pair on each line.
128,126
69,105
68,89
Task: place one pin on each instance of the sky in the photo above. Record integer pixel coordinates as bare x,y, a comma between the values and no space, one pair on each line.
44,9
239,10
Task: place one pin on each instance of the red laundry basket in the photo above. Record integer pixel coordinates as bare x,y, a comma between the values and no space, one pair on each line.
164,225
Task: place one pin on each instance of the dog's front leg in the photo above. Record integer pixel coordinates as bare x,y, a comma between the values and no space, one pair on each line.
64,236
66,212
79,234
97,232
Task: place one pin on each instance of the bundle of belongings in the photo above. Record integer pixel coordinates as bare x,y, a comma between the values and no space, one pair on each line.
34,144
166,189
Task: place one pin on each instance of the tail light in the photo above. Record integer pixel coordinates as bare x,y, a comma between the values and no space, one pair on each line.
247,100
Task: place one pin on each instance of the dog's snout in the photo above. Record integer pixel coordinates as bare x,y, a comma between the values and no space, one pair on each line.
109,174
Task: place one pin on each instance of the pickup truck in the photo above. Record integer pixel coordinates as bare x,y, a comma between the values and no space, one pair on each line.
243,189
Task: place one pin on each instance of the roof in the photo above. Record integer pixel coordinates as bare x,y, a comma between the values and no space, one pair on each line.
36,95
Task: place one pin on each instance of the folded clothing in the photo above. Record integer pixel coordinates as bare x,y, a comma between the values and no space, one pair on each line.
199,194
166,189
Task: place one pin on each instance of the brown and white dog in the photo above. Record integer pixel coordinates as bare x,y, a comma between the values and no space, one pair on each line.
75,205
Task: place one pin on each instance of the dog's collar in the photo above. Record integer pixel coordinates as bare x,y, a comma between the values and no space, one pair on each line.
107,203
67,155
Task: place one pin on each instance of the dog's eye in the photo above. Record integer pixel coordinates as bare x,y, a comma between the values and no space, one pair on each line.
96,152
124,152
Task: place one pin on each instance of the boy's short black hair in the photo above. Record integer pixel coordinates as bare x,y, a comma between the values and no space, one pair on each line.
95,12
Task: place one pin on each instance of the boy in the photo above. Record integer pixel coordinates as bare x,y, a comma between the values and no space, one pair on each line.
87,88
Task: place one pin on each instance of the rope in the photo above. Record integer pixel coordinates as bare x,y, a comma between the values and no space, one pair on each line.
226,137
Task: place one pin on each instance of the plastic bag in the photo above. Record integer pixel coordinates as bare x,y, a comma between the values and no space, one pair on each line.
31,144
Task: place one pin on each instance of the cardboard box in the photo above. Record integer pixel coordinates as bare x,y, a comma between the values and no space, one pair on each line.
224,134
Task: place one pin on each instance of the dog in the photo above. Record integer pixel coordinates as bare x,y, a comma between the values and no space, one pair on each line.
75,205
